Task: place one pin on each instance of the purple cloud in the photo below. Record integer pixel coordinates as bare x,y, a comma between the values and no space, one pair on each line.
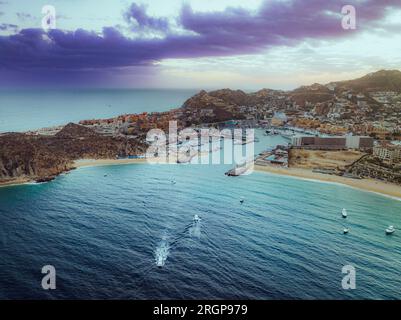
53,55
137,17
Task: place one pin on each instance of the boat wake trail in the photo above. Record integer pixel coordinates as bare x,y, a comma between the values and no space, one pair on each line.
165,245
162,252
195,230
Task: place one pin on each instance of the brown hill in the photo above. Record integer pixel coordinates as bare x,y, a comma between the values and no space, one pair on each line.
41,157
315,93
73,130
383,80
232,97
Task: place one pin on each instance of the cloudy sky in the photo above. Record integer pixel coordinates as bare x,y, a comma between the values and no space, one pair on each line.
251,44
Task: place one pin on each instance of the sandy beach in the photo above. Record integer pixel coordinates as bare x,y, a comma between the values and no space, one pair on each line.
14,182
381,187
371,185
106,162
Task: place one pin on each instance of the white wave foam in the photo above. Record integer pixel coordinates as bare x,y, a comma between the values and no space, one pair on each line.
162,252
195,230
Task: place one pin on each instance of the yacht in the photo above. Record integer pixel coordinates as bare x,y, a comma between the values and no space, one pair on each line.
390,230
196,218
344,213
346,230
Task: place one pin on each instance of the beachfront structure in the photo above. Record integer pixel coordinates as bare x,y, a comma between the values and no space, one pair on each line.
388,153
333,143
359,142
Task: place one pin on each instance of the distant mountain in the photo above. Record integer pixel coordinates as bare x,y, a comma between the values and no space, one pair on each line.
383,80
229,100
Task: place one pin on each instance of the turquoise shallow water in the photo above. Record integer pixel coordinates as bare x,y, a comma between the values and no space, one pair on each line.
105,234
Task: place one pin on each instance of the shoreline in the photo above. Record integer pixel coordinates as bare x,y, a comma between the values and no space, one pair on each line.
106,162
368,185
16,182
76,164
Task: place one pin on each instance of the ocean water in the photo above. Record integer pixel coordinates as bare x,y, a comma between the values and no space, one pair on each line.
106,228
22,110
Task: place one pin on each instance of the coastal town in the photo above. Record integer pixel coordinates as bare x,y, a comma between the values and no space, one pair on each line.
362,114
355,124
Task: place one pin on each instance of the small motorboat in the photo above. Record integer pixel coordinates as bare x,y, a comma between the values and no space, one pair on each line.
197,218
390,230
344,213
346,230
173,182
241,200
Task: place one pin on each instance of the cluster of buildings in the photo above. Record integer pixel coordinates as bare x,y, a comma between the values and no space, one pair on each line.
131,125
388,153
346,119
376,114
277,156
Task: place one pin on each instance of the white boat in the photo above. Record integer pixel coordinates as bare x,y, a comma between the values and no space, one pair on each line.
196,218
241,200
390,230
346,230
344,213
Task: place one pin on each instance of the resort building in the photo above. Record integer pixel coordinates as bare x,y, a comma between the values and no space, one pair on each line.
359,142
388,153
333,143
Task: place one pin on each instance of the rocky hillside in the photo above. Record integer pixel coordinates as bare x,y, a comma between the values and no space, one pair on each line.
221,102
42,157
23,156
383,80
230,100
74,131
314,94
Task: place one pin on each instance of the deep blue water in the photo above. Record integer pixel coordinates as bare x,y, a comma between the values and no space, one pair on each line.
104,234
22,110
